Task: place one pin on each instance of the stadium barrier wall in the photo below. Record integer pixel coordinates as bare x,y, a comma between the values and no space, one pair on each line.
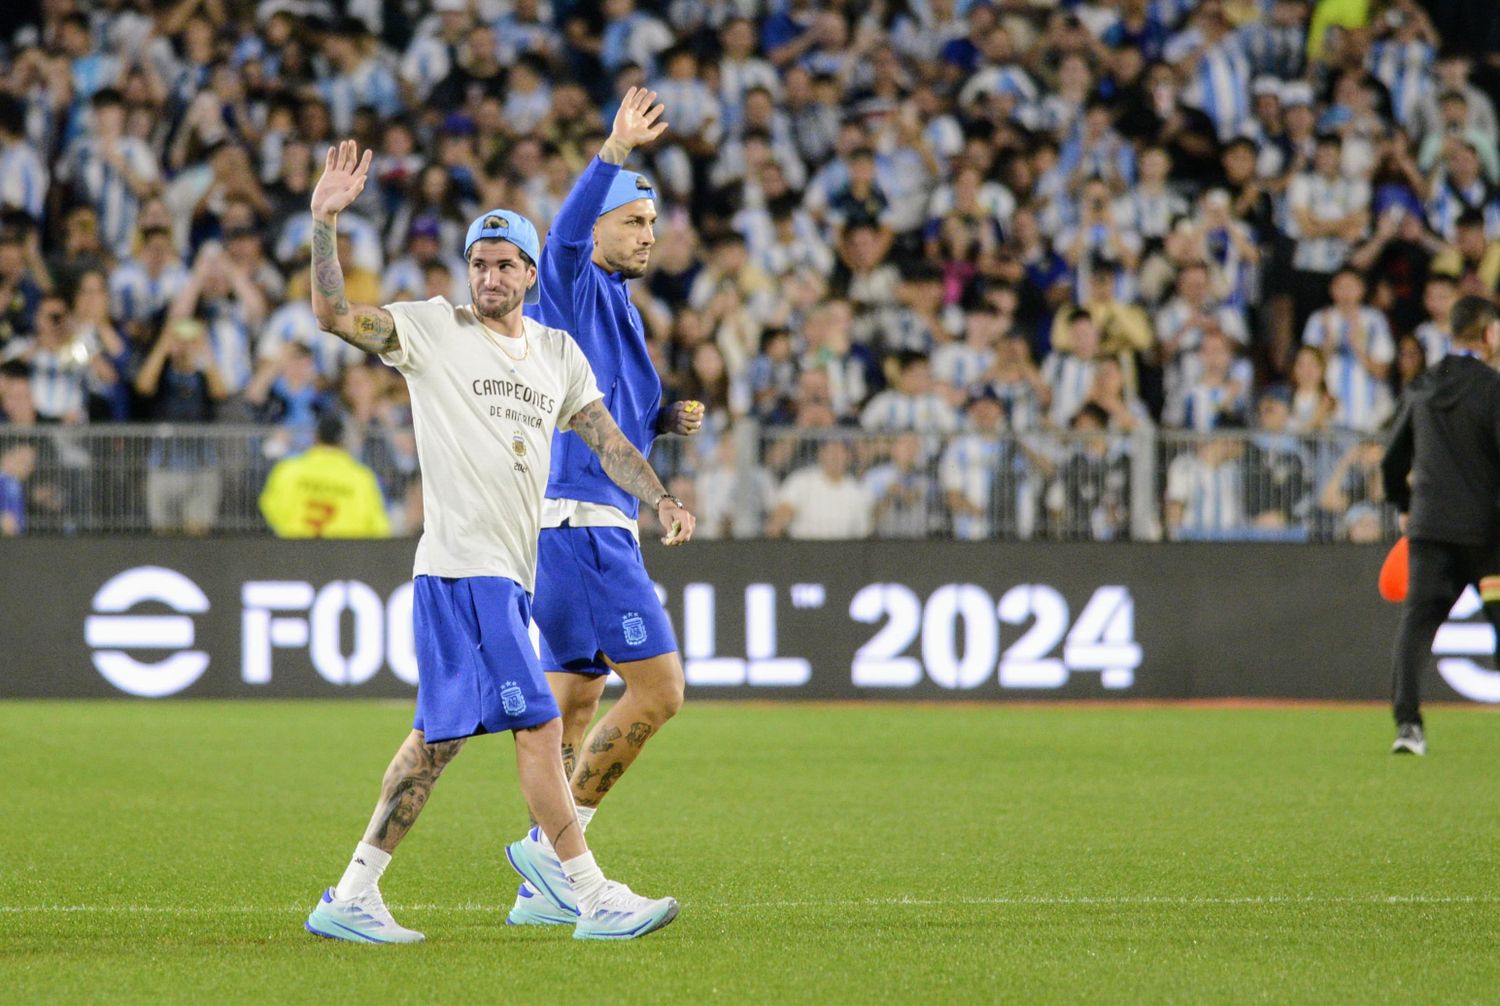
771,620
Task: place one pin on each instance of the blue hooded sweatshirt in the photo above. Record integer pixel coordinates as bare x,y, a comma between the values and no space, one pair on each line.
594,307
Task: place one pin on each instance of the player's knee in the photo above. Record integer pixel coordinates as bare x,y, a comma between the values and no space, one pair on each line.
664,696
542,737
578,714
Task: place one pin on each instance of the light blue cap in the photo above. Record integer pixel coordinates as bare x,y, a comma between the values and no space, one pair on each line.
627,187
503,225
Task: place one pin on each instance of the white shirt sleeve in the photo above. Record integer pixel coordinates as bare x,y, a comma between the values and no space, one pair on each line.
416,327
582,385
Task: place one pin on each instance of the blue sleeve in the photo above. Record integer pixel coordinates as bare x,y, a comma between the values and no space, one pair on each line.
574,223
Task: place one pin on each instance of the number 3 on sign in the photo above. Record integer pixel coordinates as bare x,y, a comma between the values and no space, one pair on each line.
1102,640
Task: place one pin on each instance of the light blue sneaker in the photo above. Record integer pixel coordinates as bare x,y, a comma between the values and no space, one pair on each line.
364,919
538,866
621,914
531,909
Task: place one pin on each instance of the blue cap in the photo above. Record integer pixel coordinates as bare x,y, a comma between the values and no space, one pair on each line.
503,225
627,187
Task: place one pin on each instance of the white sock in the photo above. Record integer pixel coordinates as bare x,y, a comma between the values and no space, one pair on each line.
586,879
364,871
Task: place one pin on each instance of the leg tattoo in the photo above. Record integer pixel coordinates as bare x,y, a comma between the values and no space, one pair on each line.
404,791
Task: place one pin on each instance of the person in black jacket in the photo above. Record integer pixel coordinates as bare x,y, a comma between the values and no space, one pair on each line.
1442,470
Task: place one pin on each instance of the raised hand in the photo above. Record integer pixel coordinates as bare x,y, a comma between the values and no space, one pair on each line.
636,121
344,177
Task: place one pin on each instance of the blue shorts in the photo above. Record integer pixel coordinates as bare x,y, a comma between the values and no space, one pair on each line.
593,596
476,670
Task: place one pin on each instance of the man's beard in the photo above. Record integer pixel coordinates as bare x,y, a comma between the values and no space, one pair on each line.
506,306
629,269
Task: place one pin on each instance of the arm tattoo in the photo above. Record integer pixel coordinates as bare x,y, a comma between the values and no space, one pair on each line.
604,740
638,734
328,277
371,329
374,331
622,462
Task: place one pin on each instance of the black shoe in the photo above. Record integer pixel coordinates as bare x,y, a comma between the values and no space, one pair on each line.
1409,740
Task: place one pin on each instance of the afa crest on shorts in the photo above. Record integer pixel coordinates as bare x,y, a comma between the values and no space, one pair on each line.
635,628
512,699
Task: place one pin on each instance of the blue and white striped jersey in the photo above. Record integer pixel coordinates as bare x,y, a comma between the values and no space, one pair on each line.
1274,50
1070,379
1405,68
960,365
136,295
695,108
1220,82
230,337
1436,342
1212,496
104,187
57,376
23,179
736,78
1323,199
1448,203
427,60
294,321
891,411
370,83
1364,399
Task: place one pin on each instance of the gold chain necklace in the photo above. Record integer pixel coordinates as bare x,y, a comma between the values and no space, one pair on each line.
525,343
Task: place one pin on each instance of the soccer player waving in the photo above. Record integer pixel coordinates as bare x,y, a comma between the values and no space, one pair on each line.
600,240
489,388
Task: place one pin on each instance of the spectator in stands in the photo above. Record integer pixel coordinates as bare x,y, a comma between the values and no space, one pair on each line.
1474,259
1410,364
1453,69
1214,389
16,466
1354,492
1123,412
823,501
20,290
1328,214
1091,497
1069,373
1434,336
846,369
324,492
1016,382
1205,496
286,392
58,358
904,493
735,494
911,403
110,171
1277,468
181,381
1357,341
232,307
772,377
1313,405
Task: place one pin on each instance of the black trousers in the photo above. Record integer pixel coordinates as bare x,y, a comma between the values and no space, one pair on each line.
1439,573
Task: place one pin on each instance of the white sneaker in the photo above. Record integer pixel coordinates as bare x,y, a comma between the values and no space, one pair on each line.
363,919
621,914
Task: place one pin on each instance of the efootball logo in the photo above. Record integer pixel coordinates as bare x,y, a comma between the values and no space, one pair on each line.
112,631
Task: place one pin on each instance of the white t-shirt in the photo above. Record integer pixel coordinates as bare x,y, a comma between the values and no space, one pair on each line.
484,424
823,509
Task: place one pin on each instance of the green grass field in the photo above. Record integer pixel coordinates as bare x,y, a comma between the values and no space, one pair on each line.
169,852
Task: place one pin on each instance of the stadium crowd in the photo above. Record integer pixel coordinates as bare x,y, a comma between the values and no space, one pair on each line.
1009,237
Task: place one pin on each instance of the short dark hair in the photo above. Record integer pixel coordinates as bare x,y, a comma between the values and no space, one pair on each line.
1471,316
1330,140
331,429
1470,218
107,96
